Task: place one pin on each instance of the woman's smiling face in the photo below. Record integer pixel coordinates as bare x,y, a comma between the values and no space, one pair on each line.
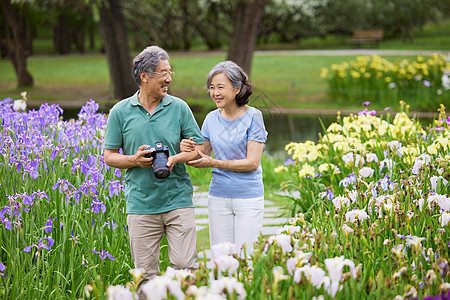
222,92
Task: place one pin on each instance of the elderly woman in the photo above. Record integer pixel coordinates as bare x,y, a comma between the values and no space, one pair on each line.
236,134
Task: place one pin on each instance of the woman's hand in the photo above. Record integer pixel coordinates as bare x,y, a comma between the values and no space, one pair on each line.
204,162
187,145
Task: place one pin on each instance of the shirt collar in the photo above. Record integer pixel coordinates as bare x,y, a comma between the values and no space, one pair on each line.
164,101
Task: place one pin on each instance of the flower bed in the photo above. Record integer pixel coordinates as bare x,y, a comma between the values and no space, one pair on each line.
370,207
424,82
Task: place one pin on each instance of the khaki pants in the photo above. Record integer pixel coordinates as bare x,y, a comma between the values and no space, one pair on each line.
146,233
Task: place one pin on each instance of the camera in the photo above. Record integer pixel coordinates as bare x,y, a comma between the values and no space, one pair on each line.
160,154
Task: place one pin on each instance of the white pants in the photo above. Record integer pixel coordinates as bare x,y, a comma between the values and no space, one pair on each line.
237,221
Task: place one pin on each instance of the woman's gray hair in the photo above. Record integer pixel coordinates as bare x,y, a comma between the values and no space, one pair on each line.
237,77
147,61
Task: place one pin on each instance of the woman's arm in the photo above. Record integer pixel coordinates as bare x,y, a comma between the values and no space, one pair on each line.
188,145
250,163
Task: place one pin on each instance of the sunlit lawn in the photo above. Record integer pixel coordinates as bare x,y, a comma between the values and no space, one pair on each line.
278,80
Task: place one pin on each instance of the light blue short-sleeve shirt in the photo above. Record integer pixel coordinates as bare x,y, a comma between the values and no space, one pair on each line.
229,140
129,126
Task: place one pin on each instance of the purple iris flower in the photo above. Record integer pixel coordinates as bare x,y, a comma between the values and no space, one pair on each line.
330,195
348,180
110,225
103,254
7,100
63,185
117,173
79,164
74,238
97,205
92,160
14,206
95,174
289,162
39,195
366,103
426,83
40,246
55,152
367,112
386,184
28,168
3,270
363,112
115,187
49,225
387,108
27,199
443,296
88,187
5,220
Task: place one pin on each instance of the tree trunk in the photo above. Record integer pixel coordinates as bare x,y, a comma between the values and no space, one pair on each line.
15,47
115,40
62,35
245,34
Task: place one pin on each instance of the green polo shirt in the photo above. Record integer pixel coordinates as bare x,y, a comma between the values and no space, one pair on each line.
130,126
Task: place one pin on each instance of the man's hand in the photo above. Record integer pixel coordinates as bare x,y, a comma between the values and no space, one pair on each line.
140,158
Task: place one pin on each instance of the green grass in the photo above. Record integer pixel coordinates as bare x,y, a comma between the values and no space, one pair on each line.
283,81
431,37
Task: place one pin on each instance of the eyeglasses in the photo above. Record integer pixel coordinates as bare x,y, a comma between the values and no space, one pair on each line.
165,74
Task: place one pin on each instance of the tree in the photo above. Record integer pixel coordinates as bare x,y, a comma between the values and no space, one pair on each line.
113,33
15,41
72,19
245,33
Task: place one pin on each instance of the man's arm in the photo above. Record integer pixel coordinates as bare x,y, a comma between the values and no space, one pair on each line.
114,159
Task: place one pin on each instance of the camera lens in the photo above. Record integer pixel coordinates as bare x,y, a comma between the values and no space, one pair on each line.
162,173
159,165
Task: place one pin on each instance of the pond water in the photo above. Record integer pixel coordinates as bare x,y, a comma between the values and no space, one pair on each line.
286,128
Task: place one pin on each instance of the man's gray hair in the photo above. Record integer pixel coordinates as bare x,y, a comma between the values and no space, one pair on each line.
147,61
237,77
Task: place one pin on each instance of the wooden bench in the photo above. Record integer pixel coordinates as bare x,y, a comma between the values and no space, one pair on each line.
366,37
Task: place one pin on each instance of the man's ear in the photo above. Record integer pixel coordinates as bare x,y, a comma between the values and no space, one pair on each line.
144,76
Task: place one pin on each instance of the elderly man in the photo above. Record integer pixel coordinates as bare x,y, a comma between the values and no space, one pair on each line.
154,206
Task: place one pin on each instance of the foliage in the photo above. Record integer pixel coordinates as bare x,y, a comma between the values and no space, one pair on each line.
200,24
378,227
62,208
424,82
